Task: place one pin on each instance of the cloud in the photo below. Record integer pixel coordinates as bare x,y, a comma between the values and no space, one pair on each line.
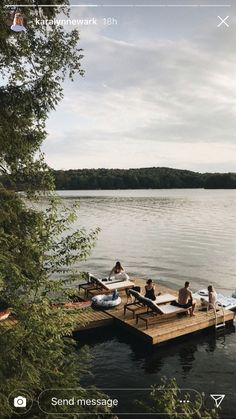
143,99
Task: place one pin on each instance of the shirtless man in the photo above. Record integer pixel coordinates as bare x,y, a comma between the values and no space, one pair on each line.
185,299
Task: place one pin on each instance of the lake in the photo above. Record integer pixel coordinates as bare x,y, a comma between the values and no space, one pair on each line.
169,236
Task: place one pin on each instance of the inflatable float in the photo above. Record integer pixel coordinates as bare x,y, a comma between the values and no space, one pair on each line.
106,301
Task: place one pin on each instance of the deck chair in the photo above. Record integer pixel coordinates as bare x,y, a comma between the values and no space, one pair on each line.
138,302
113,285
129,294
107,287
156,311
91,284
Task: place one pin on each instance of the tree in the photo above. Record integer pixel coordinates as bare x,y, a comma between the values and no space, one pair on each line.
165,399
35,244
220,181
33,67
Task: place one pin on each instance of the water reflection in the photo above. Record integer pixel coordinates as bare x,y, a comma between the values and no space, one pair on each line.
151,359
121,360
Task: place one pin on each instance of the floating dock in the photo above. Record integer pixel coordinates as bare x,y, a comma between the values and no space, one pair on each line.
163,329
89,319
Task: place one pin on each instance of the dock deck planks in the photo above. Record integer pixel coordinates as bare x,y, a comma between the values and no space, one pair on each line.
89,318
164,329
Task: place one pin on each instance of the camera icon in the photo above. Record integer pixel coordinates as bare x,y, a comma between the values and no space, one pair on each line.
20,401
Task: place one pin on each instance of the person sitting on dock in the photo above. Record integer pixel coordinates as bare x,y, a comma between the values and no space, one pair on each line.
185,299
150,290
212,298
118,272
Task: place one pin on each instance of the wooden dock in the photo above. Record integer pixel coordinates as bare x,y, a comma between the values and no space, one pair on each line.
164,329
92,319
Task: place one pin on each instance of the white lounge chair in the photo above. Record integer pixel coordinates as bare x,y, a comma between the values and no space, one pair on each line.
156,311
140,301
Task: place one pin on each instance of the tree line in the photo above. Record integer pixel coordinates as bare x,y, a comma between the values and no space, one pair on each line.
144,178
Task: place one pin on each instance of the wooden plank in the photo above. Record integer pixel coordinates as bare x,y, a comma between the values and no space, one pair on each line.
165,329
92,319
162,330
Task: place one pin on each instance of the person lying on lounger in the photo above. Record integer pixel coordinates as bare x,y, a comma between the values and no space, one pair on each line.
118,272
185,299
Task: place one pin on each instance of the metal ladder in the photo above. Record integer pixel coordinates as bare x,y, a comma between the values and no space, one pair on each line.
219,325
222,324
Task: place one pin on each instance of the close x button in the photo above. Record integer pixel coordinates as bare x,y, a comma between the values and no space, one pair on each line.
223,21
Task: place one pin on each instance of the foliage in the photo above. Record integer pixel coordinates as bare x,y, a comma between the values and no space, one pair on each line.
154,177
34,352
38,249
35,245
165,399
220,181
145,178
33,67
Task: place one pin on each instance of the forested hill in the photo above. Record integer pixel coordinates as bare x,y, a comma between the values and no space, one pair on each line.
145,178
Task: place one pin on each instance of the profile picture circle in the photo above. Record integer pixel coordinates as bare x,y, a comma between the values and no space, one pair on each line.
18,23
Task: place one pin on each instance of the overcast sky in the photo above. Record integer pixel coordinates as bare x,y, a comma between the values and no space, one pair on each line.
159,90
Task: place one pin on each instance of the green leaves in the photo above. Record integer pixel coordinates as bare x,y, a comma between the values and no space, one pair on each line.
35,350
165,398
33,66
38,244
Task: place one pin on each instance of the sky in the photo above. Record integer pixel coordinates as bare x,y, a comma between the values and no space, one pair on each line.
159,90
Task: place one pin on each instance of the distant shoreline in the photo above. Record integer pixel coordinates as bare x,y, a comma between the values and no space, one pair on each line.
143,178
125,179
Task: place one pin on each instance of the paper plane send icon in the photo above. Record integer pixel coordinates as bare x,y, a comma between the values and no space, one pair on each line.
218,398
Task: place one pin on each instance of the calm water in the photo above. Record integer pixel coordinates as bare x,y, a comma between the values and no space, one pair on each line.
169,236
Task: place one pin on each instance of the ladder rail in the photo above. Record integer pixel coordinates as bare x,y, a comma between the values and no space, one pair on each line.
215,307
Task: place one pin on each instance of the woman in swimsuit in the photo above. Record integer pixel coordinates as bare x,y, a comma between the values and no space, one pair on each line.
118,272
212,297
150,290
